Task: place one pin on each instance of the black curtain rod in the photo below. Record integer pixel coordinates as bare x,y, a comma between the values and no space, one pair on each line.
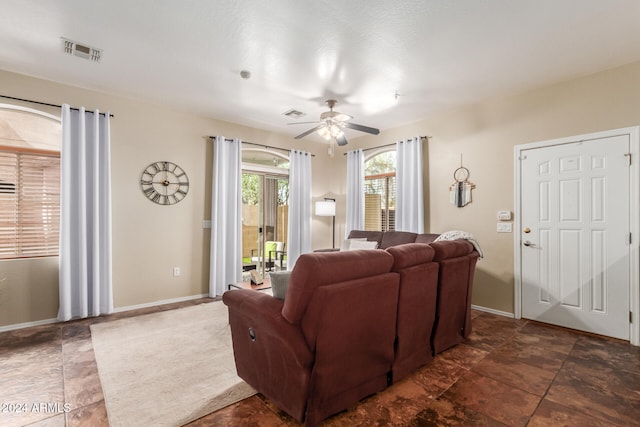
47,104
388,145
260,145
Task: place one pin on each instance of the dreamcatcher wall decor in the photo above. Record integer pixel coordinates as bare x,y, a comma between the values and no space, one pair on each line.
460,190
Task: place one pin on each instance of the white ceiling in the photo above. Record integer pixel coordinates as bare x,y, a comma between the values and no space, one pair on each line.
436,54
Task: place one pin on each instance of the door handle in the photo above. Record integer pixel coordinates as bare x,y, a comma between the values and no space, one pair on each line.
528,243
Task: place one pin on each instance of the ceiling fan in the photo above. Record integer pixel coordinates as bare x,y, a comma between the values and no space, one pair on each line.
332,123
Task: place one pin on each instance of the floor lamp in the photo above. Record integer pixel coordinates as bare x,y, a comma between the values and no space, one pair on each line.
327,207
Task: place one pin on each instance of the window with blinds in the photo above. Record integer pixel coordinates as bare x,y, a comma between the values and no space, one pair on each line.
380,202
29,182
380,192
29,203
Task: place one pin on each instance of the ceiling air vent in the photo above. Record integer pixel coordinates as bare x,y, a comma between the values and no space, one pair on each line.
294,114
81,50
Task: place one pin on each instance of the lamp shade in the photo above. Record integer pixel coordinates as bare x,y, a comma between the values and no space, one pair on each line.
326,208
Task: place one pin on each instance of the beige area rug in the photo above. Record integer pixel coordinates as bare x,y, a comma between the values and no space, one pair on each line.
167,368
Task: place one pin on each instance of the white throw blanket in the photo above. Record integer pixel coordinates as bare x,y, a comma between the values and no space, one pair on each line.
461,235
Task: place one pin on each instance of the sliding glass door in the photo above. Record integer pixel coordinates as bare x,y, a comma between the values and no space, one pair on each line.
265,198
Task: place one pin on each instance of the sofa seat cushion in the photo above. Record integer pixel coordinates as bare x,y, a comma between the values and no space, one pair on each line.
394,238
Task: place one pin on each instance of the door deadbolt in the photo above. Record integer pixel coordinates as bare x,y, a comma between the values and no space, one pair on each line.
527,230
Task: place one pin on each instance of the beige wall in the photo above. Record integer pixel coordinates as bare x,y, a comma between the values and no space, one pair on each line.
149,240
486,133
28,290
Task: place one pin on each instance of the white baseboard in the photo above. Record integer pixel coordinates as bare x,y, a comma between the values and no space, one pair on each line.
153,304
493,311
116,310
27,324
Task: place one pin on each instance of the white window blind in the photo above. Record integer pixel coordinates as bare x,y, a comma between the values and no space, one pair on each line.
29,203
380,202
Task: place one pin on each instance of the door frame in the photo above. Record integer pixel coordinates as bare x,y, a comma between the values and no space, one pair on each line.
634,205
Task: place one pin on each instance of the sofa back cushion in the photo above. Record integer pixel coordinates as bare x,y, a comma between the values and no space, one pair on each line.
417,299
317,269
395,238
410,254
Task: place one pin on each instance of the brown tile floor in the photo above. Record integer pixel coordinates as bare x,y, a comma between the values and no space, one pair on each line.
509,372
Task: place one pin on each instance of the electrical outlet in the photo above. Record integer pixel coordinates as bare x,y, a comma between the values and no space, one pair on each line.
176,271
504,227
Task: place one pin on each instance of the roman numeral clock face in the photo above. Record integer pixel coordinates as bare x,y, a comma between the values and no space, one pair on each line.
164,183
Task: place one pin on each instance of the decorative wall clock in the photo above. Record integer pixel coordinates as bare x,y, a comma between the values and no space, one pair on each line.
164,183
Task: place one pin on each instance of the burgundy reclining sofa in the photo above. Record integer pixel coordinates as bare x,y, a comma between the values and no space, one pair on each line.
352,322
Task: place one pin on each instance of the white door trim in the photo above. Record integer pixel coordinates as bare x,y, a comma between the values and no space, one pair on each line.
634,198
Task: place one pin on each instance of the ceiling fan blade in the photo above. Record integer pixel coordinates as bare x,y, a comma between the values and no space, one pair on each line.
303,123
303,134
341,140
361,128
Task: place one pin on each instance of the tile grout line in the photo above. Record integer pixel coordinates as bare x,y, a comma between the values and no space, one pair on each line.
551,383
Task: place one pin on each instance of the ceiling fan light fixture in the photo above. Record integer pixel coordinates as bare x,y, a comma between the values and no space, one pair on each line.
324,132
332,123
330,131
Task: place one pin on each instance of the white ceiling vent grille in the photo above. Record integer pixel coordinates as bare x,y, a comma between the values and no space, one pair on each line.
294,114
81,50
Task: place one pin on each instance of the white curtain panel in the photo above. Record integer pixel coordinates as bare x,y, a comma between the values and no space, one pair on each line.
355,191
85,287
409,194
299,229
226,216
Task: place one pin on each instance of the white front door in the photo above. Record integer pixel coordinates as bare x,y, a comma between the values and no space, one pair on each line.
575,235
